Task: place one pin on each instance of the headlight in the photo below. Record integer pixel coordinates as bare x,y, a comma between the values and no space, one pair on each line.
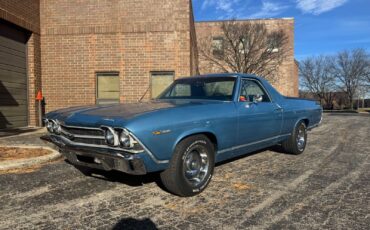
56,127
49,126
125,139
53,126
120,137
109,137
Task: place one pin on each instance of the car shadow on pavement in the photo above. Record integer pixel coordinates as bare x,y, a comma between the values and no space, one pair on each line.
278,149
131,223
140,180
116,176
275,148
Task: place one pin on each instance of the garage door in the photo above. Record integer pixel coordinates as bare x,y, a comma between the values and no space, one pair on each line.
13,77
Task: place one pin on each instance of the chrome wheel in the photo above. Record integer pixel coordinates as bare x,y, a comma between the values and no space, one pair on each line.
191,167
195,165
301,137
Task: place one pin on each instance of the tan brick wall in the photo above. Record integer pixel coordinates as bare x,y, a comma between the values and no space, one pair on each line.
194,55
80,38
295,79
34,77
287,77
26,14
77,39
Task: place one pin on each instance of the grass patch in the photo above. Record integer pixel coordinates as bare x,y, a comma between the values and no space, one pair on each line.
364,110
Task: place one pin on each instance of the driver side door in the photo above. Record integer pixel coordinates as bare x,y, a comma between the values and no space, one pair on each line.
259,118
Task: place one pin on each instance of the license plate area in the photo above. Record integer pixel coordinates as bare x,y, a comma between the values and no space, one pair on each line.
87,159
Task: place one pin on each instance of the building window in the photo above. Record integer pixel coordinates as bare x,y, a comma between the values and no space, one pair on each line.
243,45
160,81
107,88
272,44
218,46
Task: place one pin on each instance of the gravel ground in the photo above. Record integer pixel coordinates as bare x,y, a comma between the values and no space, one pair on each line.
327,187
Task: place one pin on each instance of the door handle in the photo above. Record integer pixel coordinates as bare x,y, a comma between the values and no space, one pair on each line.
279,108
250,104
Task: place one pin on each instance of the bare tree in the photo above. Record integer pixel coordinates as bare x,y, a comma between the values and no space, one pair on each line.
246,47
316,74
351,67
367,75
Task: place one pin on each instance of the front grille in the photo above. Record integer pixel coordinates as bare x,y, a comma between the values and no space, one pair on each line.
83,131
84,135
91,136
89,141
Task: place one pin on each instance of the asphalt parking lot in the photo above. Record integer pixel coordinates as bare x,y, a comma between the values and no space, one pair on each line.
327,187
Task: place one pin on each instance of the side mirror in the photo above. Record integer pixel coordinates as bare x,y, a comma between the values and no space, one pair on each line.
257,98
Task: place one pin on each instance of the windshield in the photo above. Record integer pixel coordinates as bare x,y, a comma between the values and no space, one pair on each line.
208,88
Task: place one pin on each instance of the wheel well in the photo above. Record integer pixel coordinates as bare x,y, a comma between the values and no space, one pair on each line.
306,122
209,135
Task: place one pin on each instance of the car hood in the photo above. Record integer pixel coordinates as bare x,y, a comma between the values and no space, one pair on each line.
105,114
128,110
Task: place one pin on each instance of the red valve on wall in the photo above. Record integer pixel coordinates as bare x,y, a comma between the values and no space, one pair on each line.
39,96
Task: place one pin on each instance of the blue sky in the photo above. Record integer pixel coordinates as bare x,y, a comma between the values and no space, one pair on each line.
321,26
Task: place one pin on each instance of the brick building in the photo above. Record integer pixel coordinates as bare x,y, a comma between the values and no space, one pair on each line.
20,62
287,74
93,52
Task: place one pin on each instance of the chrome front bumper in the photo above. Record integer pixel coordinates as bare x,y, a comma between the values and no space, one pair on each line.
99,158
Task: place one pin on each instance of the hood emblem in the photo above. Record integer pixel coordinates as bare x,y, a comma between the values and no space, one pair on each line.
108,119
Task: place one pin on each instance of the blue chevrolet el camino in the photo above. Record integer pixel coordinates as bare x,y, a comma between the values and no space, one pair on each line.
195,123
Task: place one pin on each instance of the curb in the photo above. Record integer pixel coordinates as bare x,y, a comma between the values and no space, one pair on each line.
42,130
16,164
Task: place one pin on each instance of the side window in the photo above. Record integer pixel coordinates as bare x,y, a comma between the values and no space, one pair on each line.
107,88
250,89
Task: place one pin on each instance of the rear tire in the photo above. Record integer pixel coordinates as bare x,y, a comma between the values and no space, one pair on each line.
191,167
296,143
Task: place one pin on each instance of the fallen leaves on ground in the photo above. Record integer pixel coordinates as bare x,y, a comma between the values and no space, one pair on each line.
28,169
241,186
15,153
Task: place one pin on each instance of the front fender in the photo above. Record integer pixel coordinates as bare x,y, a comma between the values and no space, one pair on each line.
191,132
162,145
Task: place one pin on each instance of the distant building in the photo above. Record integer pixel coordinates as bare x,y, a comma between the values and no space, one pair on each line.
338,100
287,75
96,52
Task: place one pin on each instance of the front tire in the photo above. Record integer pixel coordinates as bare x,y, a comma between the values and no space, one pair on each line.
296,143
191,167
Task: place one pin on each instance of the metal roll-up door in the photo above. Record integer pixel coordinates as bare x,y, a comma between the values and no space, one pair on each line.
13,76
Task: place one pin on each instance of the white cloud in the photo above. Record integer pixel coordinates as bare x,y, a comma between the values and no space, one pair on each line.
232,8
206,3
317,7
227,6
269,9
